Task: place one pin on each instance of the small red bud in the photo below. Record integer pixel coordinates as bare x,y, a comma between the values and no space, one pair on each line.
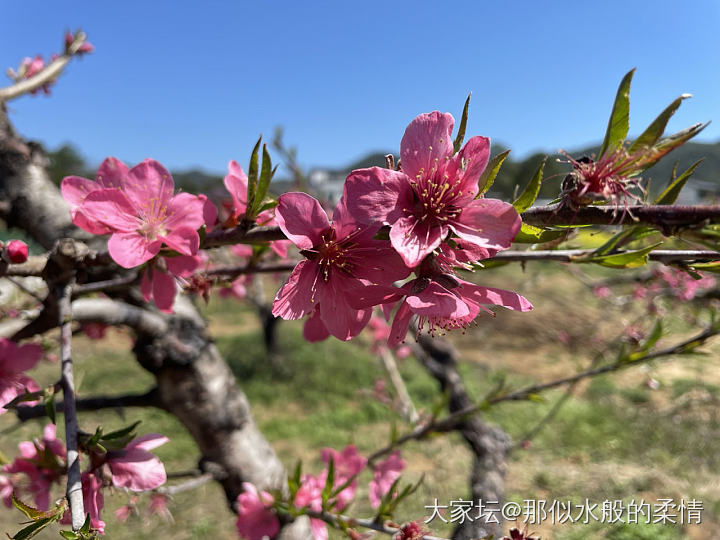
17,251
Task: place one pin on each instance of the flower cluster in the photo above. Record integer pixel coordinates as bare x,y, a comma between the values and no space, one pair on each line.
41,464
257,519
426,218
436,222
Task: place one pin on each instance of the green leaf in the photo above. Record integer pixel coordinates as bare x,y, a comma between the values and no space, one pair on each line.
491,171
29,511
120,433
268,204
655,335
252,179
329,481
528,196
670,194
22,398
713,266
529,234
69,535
50,407
667,145
463,124
626,259
34,528
266,174
619,122
625,236
85,529
655,130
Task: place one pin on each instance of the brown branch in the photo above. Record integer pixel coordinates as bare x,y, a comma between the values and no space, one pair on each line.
96,403
663,216
188,485
45,76
576,255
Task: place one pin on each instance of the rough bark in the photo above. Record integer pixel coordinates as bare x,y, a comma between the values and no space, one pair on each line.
489,444
194,382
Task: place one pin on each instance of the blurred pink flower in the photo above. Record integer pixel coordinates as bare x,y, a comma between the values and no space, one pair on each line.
255,520
14,361
43,464
347,464
134,467
386,472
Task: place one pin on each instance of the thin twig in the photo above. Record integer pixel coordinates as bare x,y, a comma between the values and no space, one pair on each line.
407,408
663,216
450,422
74,484
193,483
25,289
148,399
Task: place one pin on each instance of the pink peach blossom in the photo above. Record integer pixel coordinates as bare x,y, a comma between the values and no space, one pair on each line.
14,361
42,464
340,257
255,520
347,464
433,195
386,472
139,210
134,467
440,300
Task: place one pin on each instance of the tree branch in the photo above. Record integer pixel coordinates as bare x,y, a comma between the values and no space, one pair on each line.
96,403
662,216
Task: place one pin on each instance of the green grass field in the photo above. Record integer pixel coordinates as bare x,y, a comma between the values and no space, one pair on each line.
615,438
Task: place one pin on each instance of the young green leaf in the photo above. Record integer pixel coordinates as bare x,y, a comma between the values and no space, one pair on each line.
491,171
626,259
50,407
34,528
266,174
120,433
655,130
667,145
671,193
529,234
29,511
463,124
619,122
624,237
252,179
530,193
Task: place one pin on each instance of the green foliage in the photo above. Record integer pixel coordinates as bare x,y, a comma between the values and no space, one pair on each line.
487,178
463,125
671,193
530,193
619,122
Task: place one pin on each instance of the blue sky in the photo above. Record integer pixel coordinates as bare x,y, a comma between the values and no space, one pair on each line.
195,83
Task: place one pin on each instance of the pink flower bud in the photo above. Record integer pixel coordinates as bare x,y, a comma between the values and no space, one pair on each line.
17,251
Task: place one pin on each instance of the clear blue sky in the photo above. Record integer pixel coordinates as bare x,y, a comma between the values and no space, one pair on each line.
193,83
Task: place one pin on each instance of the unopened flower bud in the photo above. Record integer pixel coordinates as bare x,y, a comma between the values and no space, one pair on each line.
17,251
